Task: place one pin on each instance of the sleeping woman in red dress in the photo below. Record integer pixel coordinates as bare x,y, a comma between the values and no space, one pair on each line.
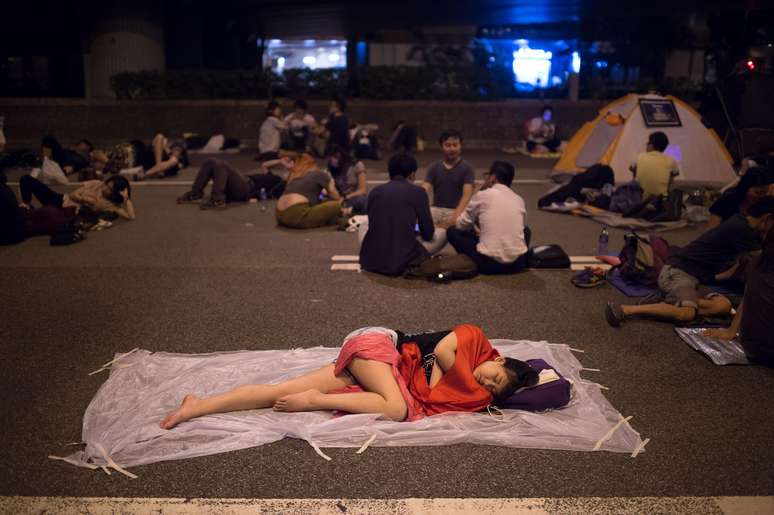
402,377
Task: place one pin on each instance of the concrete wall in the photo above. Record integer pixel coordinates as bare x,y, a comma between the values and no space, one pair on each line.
484,124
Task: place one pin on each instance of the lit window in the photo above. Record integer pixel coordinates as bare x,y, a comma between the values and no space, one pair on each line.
309,60
532,66
576,62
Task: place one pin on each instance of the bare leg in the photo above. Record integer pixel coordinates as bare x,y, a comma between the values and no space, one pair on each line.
382,394
160,166
713,306
661,310
255,396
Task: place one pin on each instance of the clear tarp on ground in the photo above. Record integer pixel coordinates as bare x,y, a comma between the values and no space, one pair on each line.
121,425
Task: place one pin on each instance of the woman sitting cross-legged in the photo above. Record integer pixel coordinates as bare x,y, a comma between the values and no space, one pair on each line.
402,377
301,206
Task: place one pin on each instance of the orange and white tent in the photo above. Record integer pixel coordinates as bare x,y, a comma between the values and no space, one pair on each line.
619,133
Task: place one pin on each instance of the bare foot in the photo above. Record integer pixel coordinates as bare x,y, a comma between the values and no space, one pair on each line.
304,401
181,414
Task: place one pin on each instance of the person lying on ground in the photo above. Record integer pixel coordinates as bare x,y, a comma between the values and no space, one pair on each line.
397,211
111,195
492,230
303,204
96,168
162,159
371,375
300,124
350,179
756,183
270,133
653,169
754,319
71,160
228,185
450,181
541,132
712,257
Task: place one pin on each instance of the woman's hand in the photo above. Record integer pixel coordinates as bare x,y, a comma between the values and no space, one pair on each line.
721,334
125,194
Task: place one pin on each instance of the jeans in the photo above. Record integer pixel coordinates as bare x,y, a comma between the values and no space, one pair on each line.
227,183
30,186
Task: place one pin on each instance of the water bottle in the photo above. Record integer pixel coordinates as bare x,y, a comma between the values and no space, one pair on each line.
604,237
262,194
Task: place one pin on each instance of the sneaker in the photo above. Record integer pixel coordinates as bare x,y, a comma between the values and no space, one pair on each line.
213,204
189,198
614,314
589,278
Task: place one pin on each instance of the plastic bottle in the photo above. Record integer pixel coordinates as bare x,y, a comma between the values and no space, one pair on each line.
604,238
262,194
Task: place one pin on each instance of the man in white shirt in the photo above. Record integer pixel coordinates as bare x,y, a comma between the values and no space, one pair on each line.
492,229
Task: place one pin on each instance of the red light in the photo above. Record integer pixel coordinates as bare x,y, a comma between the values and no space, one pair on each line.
750,64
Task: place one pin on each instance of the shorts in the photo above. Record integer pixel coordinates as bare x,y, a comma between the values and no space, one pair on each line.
681,288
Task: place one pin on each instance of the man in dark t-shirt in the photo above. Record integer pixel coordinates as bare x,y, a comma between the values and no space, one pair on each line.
711,257
337,127
450,181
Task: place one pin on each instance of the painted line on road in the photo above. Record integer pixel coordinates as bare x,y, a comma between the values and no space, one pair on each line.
355,267
345,258
583,266
484,506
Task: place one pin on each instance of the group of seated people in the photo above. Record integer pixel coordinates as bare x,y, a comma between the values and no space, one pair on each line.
403,229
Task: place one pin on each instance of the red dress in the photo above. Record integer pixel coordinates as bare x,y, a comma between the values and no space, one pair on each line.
457,390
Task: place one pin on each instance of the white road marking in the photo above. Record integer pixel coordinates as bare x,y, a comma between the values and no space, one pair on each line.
345,258
581,266
346,266
484,506
584,259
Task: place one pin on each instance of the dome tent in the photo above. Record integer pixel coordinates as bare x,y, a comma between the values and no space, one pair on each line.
619,133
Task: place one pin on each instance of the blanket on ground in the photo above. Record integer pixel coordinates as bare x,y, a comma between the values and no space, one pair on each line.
612,219
121,424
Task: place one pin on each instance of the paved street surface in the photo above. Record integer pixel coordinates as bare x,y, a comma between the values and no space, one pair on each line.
183,280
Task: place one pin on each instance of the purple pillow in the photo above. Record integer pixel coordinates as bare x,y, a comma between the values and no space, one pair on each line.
553,395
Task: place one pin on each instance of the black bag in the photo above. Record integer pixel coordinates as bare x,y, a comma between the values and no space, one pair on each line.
548,256
444,268
67,234
657,208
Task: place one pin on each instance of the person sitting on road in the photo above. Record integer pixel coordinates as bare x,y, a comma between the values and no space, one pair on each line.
112,195
712,257
397,211
378,372
756,183
753,320
228,185
492,229
336,127
299,124
162,159
270,134
541,132
653,169
351,181
302,204
450,180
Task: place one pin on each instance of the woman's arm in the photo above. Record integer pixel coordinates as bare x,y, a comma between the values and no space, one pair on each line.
163,166
362,187
127,211
726,334
446,352
333,193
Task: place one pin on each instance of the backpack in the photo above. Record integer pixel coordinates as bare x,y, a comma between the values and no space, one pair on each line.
626,197
642,259
548,256
445,268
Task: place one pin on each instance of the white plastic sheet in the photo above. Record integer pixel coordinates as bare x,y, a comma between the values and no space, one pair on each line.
123,418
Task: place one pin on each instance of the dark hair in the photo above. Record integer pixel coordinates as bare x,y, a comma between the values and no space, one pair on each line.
341,103
300,104
183,153
504,172
658,140
270,107
402,165
118,184
345,159
520,374
449,133
755,176
87,143
763,207
766,260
